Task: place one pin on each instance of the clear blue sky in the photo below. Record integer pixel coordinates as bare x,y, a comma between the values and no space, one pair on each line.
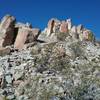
38,12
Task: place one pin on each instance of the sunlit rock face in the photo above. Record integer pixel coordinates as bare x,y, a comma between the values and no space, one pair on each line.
53,26
64,27
57,29
69,22
25,35
7,30
18,34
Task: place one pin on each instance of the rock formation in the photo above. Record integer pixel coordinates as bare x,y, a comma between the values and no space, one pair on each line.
11,32
69,24
16,34
7,30
60,63
25,35
65,28
19,34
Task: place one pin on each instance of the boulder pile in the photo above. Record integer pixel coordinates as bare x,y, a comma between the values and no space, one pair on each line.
17,34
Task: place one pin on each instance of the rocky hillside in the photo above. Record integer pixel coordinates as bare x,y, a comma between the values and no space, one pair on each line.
60,63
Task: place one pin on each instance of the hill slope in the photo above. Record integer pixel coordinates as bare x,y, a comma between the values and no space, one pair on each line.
60,63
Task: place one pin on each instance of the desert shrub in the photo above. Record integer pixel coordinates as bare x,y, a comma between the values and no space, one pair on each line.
61,36
77,48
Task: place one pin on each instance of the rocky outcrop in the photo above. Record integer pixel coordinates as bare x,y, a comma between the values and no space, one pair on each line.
7,30
88,35
50,26
25,35
80,28
64,27
69,24
53,26
17,34
60,63
57,29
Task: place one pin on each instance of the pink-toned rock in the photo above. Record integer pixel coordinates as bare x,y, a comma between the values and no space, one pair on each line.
56,28
53,26
7,30
64,27
50,26
33,35
25,35
88,35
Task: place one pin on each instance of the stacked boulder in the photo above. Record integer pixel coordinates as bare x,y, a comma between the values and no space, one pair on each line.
56,27
17,34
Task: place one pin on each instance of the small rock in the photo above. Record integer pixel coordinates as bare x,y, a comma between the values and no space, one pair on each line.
2,98
4,51
18,75
9,79
10,97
